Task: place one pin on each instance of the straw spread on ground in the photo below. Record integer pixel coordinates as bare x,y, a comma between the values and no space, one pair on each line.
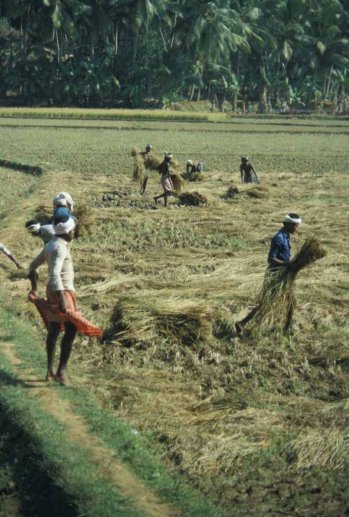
259,192
277,295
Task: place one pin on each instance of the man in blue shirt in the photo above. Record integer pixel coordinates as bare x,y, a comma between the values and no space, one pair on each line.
279,257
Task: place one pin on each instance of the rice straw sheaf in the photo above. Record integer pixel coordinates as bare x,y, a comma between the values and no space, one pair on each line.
192,199
152,162
231,192
277,297
86,220
135,320
138,165
178,182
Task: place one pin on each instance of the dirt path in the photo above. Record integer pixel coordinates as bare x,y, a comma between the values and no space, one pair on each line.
110,468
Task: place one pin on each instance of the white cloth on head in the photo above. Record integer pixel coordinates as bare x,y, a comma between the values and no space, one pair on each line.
293,220
64,228
190,162
63,199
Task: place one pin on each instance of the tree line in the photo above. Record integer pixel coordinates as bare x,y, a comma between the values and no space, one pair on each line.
256,54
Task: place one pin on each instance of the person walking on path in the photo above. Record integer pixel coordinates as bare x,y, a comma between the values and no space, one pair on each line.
279,257
166,181
8,254
247,171
59,309
144,155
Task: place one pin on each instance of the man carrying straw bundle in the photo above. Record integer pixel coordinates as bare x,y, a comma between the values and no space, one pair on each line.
58,311
279,261
166,180
144,155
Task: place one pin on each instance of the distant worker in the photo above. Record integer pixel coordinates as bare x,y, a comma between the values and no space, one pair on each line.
279,257
36,229
166,181
247,171
193,167
59,309
144,154
8,254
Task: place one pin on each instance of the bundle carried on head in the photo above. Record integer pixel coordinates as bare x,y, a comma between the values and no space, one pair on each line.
277,298
138,165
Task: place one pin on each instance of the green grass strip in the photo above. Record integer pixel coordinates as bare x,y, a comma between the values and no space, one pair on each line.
100,114
66,463
139,451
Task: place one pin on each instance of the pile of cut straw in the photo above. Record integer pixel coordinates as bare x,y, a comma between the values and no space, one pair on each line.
192,199
136,320
276,299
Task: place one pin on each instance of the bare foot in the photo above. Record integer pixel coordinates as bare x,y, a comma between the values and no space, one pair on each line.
239,329
50,376
62,379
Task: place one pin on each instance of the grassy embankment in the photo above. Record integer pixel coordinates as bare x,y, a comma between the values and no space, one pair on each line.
228,413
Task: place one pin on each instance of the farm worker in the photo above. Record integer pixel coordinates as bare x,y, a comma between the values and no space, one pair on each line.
8,254
279,257
193,167
166,181
247,172
144,154
59,309
63,205
36,229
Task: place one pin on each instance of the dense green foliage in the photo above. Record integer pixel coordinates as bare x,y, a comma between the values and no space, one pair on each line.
254,53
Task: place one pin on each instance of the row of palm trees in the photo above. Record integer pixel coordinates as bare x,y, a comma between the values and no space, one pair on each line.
270,54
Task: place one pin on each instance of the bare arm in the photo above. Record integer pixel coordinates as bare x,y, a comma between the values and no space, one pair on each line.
9,255
254,172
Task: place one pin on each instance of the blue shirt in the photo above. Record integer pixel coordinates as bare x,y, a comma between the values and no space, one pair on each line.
280,247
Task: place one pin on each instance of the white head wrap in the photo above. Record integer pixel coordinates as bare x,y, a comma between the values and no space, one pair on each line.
169,156
293,219
190,162
63,199
34,228
64,228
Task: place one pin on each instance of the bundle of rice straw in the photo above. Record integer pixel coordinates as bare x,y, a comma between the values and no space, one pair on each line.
86,220
136,319
152,162
138,165
178,183
192,199
277,298
232,191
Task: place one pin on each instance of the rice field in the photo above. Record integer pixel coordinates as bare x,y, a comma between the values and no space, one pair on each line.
256,423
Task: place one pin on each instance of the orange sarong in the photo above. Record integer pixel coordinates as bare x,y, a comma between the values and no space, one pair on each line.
50,312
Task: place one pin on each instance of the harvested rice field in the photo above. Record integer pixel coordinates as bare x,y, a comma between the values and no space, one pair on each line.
255,424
